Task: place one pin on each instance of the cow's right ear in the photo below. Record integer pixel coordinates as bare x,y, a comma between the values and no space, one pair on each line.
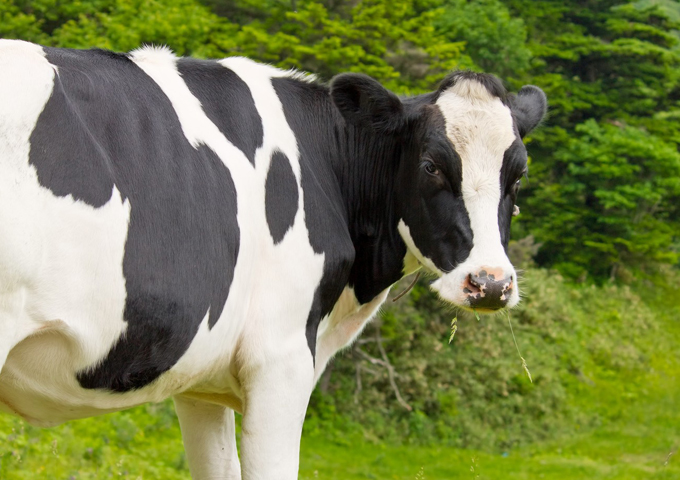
530,107
363,101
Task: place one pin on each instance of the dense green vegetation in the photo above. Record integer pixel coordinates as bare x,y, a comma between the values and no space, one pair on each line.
599,237
604,196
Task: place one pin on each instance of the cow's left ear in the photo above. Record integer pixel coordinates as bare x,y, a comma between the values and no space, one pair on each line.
530,106
363,101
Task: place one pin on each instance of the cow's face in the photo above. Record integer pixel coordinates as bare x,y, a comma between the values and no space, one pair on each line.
460,165
463,186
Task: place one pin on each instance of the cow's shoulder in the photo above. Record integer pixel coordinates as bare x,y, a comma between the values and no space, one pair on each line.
326,218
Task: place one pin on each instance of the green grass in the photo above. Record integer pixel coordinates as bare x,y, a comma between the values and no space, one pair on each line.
111,447
634,442
638,438
582,457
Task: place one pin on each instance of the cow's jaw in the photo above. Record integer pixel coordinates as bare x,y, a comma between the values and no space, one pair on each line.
450,286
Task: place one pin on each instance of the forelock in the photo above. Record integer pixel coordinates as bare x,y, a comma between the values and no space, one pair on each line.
478,122
473,86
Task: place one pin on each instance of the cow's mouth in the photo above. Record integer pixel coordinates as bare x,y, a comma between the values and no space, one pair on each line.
481,293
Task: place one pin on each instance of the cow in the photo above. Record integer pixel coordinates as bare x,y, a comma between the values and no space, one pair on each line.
216,230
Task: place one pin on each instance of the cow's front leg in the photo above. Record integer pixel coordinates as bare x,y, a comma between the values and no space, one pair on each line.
209,436
276,394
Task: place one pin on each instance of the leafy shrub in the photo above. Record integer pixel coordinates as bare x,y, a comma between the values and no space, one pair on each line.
474,392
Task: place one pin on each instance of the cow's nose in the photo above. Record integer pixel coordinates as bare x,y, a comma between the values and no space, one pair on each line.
486,292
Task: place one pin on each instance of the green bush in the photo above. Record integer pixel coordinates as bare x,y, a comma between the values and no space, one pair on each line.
474,393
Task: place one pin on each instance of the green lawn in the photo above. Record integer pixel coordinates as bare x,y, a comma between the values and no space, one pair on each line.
640,442
604,454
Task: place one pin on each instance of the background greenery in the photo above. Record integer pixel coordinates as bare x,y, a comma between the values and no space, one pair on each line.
598,237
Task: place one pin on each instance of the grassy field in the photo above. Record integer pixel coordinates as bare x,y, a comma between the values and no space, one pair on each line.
144,444
638,442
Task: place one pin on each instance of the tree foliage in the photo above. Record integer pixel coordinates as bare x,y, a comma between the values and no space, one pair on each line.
494,39
611,70
602,194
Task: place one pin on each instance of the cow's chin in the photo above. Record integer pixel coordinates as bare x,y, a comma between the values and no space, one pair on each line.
451,289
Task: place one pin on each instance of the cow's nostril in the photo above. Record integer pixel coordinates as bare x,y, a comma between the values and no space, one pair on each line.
471,286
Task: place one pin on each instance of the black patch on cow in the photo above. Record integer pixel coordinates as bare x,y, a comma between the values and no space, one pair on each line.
325,215
226,100
108,124
379,262
281,197
514,167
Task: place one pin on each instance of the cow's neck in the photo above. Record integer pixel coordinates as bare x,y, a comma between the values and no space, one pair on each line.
364,167
366,172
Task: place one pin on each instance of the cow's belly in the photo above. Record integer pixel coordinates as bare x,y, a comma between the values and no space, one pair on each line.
69,293
39,380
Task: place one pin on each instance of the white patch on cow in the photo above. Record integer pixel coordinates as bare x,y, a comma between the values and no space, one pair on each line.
258,78
481,129
343,326
411,247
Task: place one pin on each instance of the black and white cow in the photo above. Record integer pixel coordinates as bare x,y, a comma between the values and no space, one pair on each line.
215,231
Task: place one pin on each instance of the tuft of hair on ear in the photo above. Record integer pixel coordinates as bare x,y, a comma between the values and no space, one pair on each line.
363,101
530,107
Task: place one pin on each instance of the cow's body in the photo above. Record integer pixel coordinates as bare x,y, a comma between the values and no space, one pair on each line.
196,229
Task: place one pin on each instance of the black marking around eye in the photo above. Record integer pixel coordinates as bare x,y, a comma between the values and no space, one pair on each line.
441,152
514,166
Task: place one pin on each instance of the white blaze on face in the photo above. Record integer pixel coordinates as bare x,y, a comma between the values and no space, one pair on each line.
481,130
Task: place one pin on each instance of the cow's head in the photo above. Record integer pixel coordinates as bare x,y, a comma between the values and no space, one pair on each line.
461,158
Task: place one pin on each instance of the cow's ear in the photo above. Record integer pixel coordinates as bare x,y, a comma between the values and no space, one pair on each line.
363,101
530,106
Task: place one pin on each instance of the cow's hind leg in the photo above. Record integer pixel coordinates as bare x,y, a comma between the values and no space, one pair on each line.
209,435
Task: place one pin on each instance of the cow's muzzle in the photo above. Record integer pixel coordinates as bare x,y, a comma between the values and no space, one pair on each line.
485,291
481,288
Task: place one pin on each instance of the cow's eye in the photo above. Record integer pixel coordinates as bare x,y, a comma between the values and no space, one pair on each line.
430,168
517,184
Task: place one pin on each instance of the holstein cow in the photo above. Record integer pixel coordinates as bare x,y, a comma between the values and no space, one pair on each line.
215,231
